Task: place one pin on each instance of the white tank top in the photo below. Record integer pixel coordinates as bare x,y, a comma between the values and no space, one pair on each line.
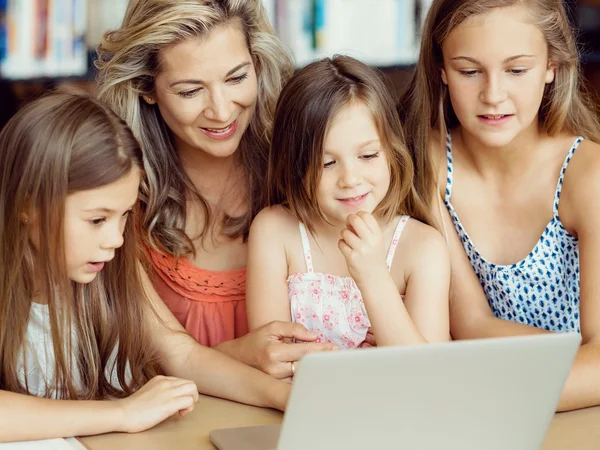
40,357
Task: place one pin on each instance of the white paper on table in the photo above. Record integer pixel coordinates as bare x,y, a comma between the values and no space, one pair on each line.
44,444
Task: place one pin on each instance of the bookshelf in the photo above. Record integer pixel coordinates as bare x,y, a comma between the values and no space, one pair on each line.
45,43
43,38
49,39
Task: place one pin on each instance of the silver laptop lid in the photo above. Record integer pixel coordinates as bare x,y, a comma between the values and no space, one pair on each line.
468,395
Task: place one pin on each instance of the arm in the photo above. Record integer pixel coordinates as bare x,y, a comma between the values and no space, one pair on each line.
580,209
269,347
428,284
362,246
266,277
25,417
214,373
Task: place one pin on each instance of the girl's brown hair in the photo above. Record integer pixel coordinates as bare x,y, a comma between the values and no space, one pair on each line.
304,111
426,105
55,146
128,59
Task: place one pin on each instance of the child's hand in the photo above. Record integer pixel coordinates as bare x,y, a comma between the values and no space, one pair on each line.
362,246
159,399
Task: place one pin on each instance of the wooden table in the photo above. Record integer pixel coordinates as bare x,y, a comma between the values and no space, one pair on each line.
577,430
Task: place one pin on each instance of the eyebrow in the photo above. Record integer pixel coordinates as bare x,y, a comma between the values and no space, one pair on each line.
361,146
231,72
105,210
507,60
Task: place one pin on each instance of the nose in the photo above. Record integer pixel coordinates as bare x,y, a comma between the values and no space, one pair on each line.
113,238
493,92
349,176
218,108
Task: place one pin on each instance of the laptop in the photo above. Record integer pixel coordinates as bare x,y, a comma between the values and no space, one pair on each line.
492,394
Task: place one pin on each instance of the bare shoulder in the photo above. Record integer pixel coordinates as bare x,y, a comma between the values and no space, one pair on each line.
585,163
580,194
274,222
583,173
420,243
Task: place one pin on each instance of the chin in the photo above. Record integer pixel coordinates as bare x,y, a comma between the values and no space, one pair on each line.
221,150
82,278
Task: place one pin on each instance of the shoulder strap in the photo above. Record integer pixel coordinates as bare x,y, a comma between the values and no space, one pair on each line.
450,170
395,240
562,174
306,248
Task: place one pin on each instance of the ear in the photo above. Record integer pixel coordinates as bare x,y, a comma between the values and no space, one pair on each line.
24,217
149,98
551,72
444,76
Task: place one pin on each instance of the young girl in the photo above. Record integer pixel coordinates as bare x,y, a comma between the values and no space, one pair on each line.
75,322
514,149
340,253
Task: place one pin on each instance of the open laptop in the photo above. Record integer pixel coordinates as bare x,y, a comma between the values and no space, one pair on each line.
467,395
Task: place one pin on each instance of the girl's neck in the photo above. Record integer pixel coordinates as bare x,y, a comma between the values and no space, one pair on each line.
332,231
508,161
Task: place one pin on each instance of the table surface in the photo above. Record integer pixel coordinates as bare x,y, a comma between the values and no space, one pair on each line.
576,430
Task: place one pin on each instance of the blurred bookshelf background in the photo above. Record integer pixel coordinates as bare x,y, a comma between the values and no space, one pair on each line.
48,43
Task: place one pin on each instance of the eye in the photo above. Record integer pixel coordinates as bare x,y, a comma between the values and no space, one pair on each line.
328,164
518,71
190,93
468,73
97,221
239,79
370,156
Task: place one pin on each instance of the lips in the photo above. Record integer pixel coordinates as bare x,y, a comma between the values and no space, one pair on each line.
494,119
353,201
95,266
221,133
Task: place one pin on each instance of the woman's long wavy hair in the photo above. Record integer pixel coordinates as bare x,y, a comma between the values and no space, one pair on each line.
55,146
426,105
128,62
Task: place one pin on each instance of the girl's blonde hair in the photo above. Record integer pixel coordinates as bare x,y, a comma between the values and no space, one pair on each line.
58,145
307,104
426,105
128,62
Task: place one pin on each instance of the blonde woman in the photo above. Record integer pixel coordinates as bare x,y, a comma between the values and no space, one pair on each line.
197,81
515,154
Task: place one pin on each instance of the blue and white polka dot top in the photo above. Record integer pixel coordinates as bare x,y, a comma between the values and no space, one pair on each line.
542,290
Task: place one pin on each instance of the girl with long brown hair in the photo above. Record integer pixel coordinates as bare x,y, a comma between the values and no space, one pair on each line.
504,136
343,246
75,320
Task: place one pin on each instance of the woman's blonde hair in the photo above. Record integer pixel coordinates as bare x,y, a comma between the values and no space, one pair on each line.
56,146
128,62
426,105
305,109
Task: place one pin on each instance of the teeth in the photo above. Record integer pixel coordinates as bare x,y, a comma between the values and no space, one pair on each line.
219,130
500,116
355,198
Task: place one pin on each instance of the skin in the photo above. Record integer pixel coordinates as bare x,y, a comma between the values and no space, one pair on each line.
210,83
353,242
505,179
190,367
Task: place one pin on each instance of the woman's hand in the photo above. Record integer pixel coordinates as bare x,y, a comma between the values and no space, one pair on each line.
273,347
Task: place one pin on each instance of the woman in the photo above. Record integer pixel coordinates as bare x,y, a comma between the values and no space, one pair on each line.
197,82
